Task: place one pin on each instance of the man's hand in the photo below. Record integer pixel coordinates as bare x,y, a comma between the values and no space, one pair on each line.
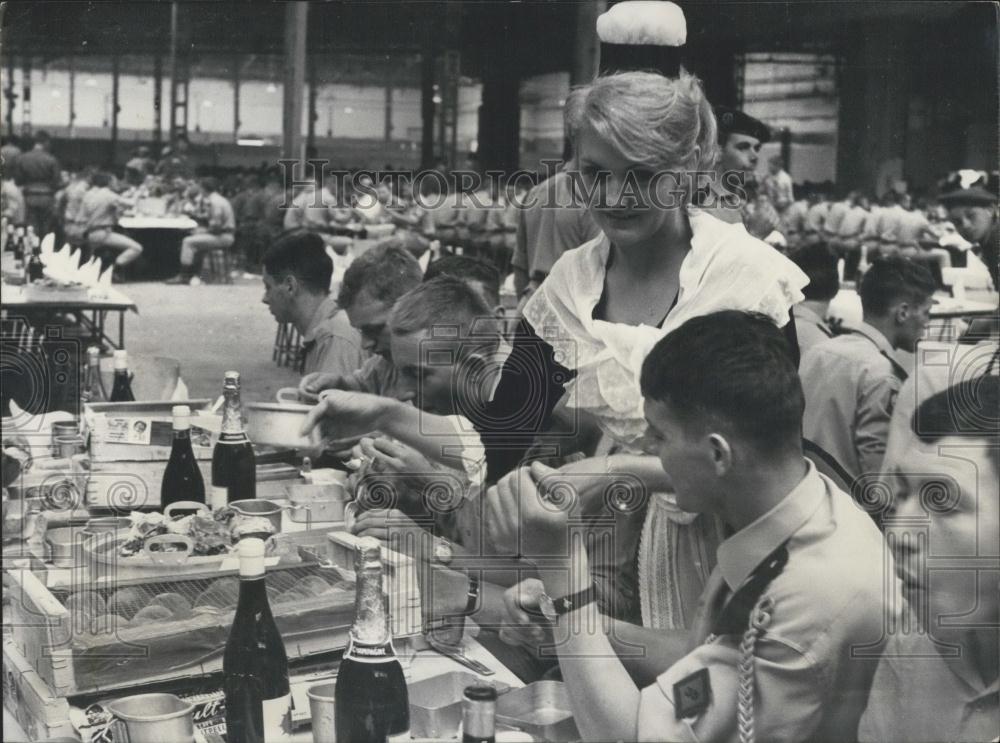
411,473
523,520
312,384
398,531
524,623
347,415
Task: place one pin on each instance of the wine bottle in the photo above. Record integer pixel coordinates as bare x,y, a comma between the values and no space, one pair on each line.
234,469
36,271
121,389
182,480
479,709
255,665
371,704
93,385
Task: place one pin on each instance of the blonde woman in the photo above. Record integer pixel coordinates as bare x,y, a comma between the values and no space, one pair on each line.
658,262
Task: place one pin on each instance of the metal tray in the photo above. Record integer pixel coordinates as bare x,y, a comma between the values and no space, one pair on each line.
436,703
541,709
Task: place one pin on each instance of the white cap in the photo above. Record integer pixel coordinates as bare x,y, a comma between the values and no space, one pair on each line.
182,416
251,550
643,22
121,359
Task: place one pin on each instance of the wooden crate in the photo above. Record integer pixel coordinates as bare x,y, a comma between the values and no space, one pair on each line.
39,712
72,661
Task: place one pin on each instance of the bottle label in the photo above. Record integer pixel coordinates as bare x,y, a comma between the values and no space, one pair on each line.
364,653
219,497
278,719
232,438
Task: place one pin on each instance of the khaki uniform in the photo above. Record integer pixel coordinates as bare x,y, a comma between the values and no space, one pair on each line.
850,384
793,595
330,343
810,328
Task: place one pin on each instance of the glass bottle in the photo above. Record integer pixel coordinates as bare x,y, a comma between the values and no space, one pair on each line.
371,704
182,480
93,384
121,389
234,469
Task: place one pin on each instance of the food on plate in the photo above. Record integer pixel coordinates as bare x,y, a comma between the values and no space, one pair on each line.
152,613
177,604
127,601
86,603
210,532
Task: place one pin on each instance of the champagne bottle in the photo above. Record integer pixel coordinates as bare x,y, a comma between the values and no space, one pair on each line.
93,385
182,480
121,389
479,710
371,704
255,665
234,473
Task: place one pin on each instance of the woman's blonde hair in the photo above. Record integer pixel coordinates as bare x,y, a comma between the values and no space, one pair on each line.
654,119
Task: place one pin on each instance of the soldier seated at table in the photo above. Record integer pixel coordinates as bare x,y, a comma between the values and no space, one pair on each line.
939,679
216,231
296,276
98,214
798,584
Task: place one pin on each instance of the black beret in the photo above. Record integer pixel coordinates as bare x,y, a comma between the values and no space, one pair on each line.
734,121
975,196
969,188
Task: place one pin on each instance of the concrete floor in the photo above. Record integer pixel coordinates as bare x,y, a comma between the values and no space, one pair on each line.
209,329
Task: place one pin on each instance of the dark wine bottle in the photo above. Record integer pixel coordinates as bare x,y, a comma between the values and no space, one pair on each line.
121,389
234,468
255,665
479,709
36,271
182,480
371,704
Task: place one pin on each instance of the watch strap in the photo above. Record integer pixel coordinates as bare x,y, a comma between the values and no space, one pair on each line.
472,602
574,601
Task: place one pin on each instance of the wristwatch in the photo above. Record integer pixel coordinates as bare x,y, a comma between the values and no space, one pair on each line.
552,609
472,602
443,552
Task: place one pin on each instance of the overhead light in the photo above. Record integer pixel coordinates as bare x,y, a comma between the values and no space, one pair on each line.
437,99
272,88
251,142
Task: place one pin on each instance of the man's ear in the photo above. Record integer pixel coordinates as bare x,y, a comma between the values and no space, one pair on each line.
721,453
901,312
291,284
499,312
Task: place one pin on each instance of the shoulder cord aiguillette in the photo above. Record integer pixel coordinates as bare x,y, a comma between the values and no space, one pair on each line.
759,620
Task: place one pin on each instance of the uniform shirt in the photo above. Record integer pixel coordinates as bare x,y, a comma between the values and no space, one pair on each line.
810,328
550,224
331,344
816,217
794,218
779,188
36,171
12,203
220,213
378,376
910,226
835,216
98,210
827,601
853,222
305,215
888,223
850,384
919,696
870,231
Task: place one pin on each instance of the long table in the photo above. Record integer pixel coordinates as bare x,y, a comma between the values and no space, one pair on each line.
90,313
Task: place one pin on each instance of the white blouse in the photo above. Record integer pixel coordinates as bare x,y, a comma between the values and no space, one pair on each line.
726,269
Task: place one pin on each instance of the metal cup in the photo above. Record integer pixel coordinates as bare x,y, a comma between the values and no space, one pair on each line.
153,718
321,707
60,429
67,447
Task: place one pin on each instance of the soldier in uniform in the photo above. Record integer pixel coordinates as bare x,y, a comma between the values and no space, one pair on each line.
769,655
851,381
740,139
